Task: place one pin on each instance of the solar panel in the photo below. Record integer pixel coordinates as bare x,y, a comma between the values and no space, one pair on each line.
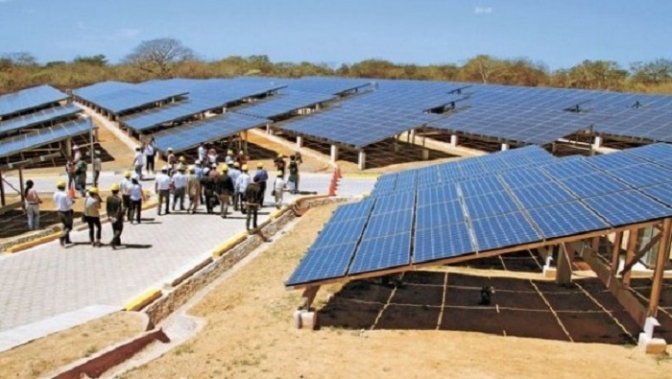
504,230
34,119
542,194
613,161
378,253
28,99
441,242
212,129
381,225
395,202
662,193
654,152
438,214
593,185
26,142
481,186
643,175
439,193
323,263
340,233
627,207
524,178
568,168
360,209
285,102
490,204
566,219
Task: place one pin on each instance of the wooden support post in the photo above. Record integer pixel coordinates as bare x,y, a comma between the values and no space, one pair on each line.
630,252
21,186
2,191
309,296
661,260
643,250
595,244
564,264
615,256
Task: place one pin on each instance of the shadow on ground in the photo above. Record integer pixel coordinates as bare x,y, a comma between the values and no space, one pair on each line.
585,311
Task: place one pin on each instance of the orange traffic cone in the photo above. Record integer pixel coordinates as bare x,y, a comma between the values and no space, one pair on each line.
71,191
338,172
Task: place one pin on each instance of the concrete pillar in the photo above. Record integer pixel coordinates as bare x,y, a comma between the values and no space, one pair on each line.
268,128
361,161
564,273
453,140
425,154
299,142
334,153
411,136
597,143
395,145
68,147
505,146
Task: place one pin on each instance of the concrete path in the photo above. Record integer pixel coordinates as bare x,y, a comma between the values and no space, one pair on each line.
47,281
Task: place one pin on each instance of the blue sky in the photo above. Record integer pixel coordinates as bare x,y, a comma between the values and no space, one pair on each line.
560,33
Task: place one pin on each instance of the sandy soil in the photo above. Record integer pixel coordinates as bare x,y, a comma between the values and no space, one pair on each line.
47,354
250,334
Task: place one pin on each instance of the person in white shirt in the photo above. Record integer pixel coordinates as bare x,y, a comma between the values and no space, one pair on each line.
234,173
33,202
97,168
201,152
138,161
150,152
162,188
77,154
242,181
137,197
179,181
278,189
63,204
125,189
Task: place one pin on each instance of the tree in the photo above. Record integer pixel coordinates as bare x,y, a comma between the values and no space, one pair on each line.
158,57
602,75
481,68
94,60
656,72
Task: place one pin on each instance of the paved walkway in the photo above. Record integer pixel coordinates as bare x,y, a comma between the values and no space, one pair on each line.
48,280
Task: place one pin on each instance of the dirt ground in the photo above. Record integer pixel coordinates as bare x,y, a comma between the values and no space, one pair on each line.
47,354
250,334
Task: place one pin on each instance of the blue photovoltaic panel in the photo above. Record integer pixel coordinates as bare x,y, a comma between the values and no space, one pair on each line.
438,214
381,253
662,193
29,98
643,175
442,242
613,161
654,152
566,219
38,118
212,129
388,224
503,230
481,186
131,98
323,263
406,180
25,142
360,209
394,202
168,113
524,178
490,204
285,102
439,193
542,194
339,233
627,207
593,185
563,169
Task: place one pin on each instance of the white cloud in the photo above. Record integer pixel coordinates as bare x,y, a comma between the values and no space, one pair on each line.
483,10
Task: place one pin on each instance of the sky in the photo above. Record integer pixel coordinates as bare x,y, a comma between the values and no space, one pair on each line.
559,33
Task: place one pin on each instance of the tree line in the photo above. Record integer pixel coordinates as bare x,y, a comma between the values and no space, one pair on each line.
167,58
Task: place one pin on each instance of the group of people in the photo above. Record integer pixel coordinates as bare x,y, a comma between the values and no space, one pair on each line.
232,185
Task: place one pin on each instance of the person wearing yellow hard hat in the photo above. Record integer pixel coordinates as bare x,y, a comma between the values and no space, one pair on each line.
278,189
242,181
92,215
234,173
194,190
63,204
224,189
179,186
241,158
262,177
125,190
115,213
279,163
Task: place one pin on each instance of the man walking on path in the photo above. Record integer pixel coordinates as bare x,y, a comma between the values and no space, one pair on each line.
234,173
125,188
202,152
63,204
193,190
179,181
225,189
162,188
262,177
150,152
278,189
97,168
138,161
115,213
242,182
252,203
80,176
137,197
33,202
92,216
293,179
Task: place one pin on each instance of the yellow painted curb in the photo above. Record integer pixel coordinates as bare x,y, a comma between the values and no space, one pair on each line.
37,241
366,194
277,213
231,242
145,298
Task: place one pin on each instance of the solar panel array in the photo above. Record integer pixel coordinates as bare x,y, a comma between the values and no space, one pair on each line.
44,136
28,99
215,128
285,102
37,118
545,199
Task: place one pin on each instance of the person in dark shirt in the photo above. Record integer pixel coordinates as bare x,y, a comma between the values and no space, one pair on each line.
252,198
293,179
225,189
262,175
115,212
280,164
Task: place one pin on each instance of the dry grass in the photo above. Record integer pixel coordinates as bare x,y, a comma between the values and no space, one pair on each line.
47,354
